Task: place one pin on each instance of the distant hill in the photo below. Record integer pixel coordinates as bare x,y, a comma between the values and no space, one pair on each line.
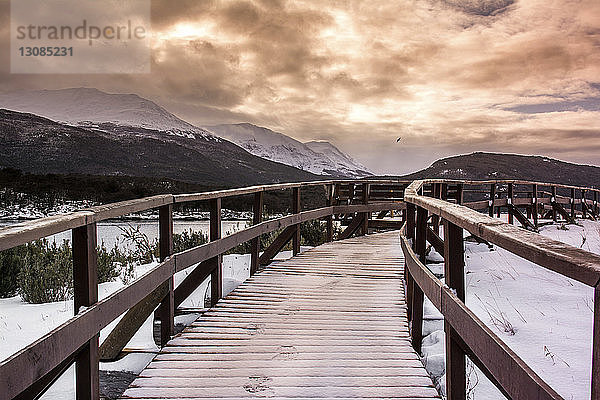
37,145
318,157
481,166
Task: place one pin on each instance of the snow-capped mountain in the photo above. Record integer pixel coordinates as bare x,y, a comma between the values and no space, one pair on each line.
321,158
90,107
341,160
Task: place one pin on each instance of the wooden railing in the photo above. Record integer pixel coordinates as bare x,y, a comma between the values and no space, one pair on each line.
30,372
434,202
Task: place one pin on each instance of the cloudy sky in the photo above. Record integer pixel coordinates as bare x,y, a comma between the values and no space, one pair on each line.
447,76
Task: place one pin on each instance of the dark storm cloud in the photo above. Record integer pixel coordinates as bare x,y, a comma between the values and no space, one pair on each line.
484,8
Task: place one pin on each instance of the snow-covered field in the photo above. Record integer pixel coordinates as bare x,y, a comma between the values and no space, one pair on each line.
543,316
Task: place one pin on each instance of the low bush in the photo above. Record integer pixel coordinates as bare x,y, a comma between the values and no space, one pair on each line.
187,240
47,273
11,263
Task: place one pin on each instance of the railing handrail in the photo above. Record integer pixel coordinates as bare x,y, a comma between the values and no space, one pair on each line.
25,232
560,257
28,231
21,370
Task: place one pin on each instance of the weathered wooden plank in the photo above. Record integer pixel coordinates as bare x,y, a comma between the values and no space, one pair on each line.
289,392
296,371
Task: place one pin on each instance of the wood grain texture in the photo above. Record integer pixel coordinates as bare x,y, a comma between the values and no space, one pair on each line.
329,323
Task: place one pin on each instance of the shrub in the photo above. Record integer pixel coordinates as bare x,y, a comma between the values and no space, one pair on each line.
313,233
47,273
11,263
111,264
187,240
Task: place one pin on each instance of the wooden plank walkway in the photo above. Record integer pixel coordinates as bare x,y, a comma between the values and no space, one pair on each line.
328,324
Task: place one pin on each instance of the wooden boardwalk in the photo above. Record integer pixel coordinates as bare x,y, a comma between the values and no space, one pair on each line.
327,324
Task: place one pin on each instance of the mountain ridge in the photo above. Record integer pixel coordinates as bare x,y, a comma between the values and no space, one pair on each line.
36,144
314,156
489,166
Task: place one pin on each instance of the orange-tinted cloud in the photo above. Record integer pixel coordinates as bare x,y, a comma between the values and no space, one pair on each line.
446,75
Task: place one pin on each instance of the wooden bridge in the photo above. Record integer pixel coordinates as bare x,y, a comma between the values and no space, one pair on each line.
330,323
340,321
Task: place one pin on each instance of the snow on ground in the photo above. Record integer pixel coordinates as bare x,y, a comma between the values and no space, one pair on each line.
544,317
22,323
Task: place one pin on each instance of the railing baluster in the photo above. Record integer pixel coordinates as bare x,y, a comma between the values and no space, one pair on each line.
573,203
365,200
411,211
296,207
511,217
455,279
492,197
583,205
85,277
166,310
216,276
329,219
535,206
459,193
553,199
257,211
417,292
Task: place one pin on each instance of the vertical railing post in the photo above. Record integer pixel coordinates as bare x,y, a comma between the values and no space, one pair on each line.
491,201
329,219
552,200
257,211
365,217
534,194
583,204
216,276
85,279
435,219
296,208
459,193
509,200
596,346
411,211
573,203
417,292
454,260
596,202
444,193
166,310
